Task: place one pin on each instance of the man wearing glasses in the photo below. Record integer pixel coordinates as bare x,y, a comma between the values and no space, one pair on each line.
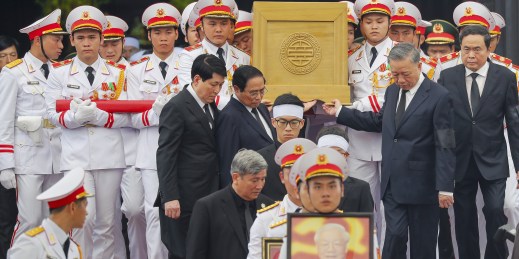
288,120
244,122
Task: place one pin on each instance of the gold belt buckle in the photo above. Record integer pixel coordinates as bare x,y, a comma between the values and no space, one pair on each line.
89,125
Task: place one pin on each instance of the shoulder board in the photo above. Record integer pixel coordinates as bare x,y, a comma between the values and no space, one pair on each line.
14,63
241,50
516,67
35,231
428,61
61,63
501,59
449,57
279,223
113,64
196,46
139,61
269,207
339,211
351,51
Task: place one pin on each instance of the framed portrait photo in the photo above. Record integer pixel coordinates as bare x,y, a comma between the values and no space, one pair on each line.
337,236
271,247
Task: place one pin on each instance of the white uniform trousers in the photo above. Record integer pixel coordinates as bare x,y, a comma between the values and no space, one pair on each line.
105,185
369,171
31,212
120,246
150,181
132,191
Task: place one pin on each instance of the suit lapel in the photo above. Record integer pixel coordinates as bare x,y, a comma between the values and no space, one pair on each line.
232,215
53,241
390,109
462,88
418,99
249,117
265,113
195,109
489,85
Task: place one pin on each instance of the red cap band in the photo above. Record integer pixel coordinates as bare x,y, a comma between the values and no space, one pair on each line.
473,20
216,10
113,32
67,199
375,8
44,30
166,20
88,23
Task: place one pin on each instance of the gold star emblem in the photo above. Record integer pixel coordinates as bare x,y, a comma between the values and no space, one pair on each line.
160,12
108,25
468,11
438,28
85,15
322,159
217,2
401,11
298,149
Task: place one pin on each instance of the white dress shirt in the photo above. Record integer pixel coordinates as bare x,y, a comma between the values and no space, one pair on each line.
200,102
410,94
482,77
265,125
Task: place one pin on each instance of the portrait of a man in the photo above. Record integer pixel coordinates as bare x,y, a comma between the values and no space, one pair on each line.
331,241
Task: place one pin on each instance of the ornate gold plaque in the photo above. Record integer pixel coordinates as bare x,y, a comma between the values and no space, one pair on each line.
300,53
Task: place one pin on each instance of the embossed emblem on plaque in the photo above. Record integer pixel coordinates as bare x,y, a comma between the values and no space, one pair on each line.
300,53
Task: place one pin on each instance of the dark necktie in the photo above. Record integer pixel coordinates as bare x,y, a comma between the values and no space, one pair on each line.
401,108
474,94
220,54
374,54
66,246
208,115
45,70
248,219
163,70
257,116
90,74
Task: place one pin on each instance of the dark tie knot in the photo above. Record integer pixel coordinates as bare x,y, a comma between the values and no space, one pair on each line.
374,51
219,51
89,70
45,69
163,65
474,75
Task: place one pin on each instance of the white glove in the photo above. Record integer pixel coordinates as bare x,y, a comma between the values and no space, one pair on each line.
8,179
159,104
74,104
85,113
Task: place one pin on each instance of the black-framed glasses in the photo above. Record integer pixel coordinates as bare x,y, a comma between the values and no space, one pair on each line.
294,124
258,92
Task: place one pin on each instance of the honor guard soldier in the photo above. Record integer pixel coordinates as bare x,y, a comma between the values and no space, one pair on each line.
495,34
404,24
276,214
323,170
217,19
68,209
154,77
190,33
132,190
29,144
467,13
440,38
91,138
419,38
353,23
243,32
369,76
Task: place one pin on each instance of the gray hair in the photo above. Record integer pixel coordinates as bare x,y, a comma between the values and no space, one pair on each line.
248,162
332,226
403,51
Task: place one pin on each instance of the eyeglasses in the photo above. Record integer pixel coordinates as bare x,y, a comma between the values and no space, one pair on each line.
258,92
294,124
12,55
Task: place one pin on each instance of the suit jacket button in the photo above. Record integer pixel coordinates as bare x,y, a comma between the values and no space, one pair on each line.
395,140
473,122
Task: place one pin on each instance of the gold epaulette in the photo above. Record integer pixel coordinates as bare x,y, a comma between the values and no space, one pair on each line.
14,63
35,231
279,223
61,63
429,61
196,46
501,59
351,51
113,64
139,61
516,67
449,57
339,211
275,204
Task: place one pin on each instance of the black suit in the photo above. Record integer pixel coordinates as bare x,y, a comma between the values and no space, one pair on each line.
237,128
215,230
187,164
8,213
418,161
481,154
357,196
273,187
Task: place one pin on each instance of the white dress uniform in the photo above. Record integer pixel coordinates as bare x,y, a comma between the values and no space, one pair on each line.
44,242
430,67
234,58
29,144
146,82
97,147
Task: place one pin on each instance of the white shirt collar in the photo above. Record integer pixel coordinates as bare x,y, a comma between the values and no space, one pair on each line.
33,60
54,228
247,107
483,71
193,93
213,49
413,90
291,207
168,60
83,66
379,47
